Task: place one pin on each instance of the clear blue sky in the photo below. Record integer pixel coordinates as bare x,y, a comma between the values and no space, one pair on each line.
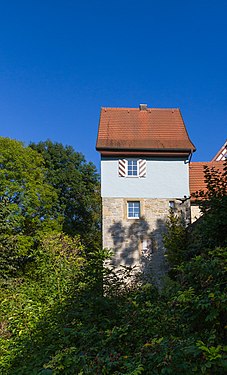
60,61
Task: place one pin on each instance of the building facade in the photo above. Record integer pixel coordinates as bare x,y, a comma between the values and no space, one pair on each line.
145,155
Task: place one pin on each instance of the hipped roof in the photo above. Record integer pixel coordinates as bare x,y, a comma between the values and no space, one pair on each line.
150,129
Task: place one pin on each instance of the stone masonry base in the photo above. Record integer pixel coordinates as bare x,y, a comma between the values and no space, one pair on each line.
139,242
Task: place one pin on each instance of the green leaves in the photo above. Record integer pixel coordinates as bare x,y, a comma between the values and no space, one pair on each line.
27,205
175,240
211,229
22,175
62,312
78,189
214,356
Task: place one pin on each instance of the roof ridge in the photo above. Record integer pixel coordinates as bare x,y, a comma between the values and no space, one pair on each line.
138,109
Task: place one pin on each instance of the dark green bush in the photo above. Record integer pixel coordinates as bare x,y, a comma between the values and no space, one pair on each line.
64,313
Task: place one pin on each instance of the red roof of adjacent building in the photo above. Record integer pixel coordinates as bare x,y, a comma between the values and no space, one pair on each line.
196,174
143,129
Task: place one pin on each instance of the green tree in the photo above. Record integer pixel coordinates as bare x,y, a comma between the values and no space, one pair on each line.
78,188
211,230
175,240
28,204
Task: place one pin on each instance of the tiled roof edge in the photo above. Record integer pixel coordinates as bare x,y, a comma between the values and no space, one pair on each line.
194,149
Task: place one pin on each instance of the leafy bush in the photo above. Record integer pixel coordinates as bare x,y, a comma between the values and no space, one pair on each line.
211,230
175,240
65,313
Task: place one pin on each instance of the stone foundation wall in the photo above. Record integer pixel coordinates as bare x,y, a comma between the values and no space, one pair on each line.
139,242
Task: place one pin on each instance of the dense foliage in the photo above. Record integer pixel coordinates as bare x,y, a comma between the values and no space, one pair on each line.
28,204
211,230
77,186
67,314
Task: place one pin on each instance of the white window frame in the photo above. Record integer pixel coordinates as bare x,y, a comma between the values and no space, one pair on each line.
132,210
137,167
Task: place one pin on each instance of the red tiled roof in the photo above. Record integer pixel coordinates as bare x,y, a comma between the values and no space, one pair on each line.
196,174
151,129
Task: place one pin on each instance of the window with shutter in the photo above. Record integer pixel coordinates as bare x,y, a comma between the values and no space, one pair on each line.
132,168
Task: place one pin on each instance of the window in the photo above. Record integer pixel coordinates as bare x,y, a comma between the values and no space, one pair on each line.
133,210
172,204
132,167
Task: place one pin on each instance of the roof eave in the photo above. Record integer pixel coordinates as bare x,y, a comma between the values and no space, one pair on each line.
116,149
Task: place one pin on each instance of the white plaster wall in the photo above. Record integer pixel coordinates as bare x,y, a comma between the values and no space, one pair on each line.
165,179
195,212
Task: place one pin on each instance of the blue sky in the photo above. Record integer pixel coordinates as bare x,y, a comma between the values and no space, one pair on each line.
60,61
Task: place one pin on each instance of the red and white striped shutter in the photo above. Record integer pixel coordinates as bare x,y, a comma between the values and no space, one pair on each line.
142,168
122,167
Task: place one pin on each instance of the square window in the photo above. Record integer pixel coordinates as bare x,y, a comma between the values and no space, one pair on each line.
133,210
